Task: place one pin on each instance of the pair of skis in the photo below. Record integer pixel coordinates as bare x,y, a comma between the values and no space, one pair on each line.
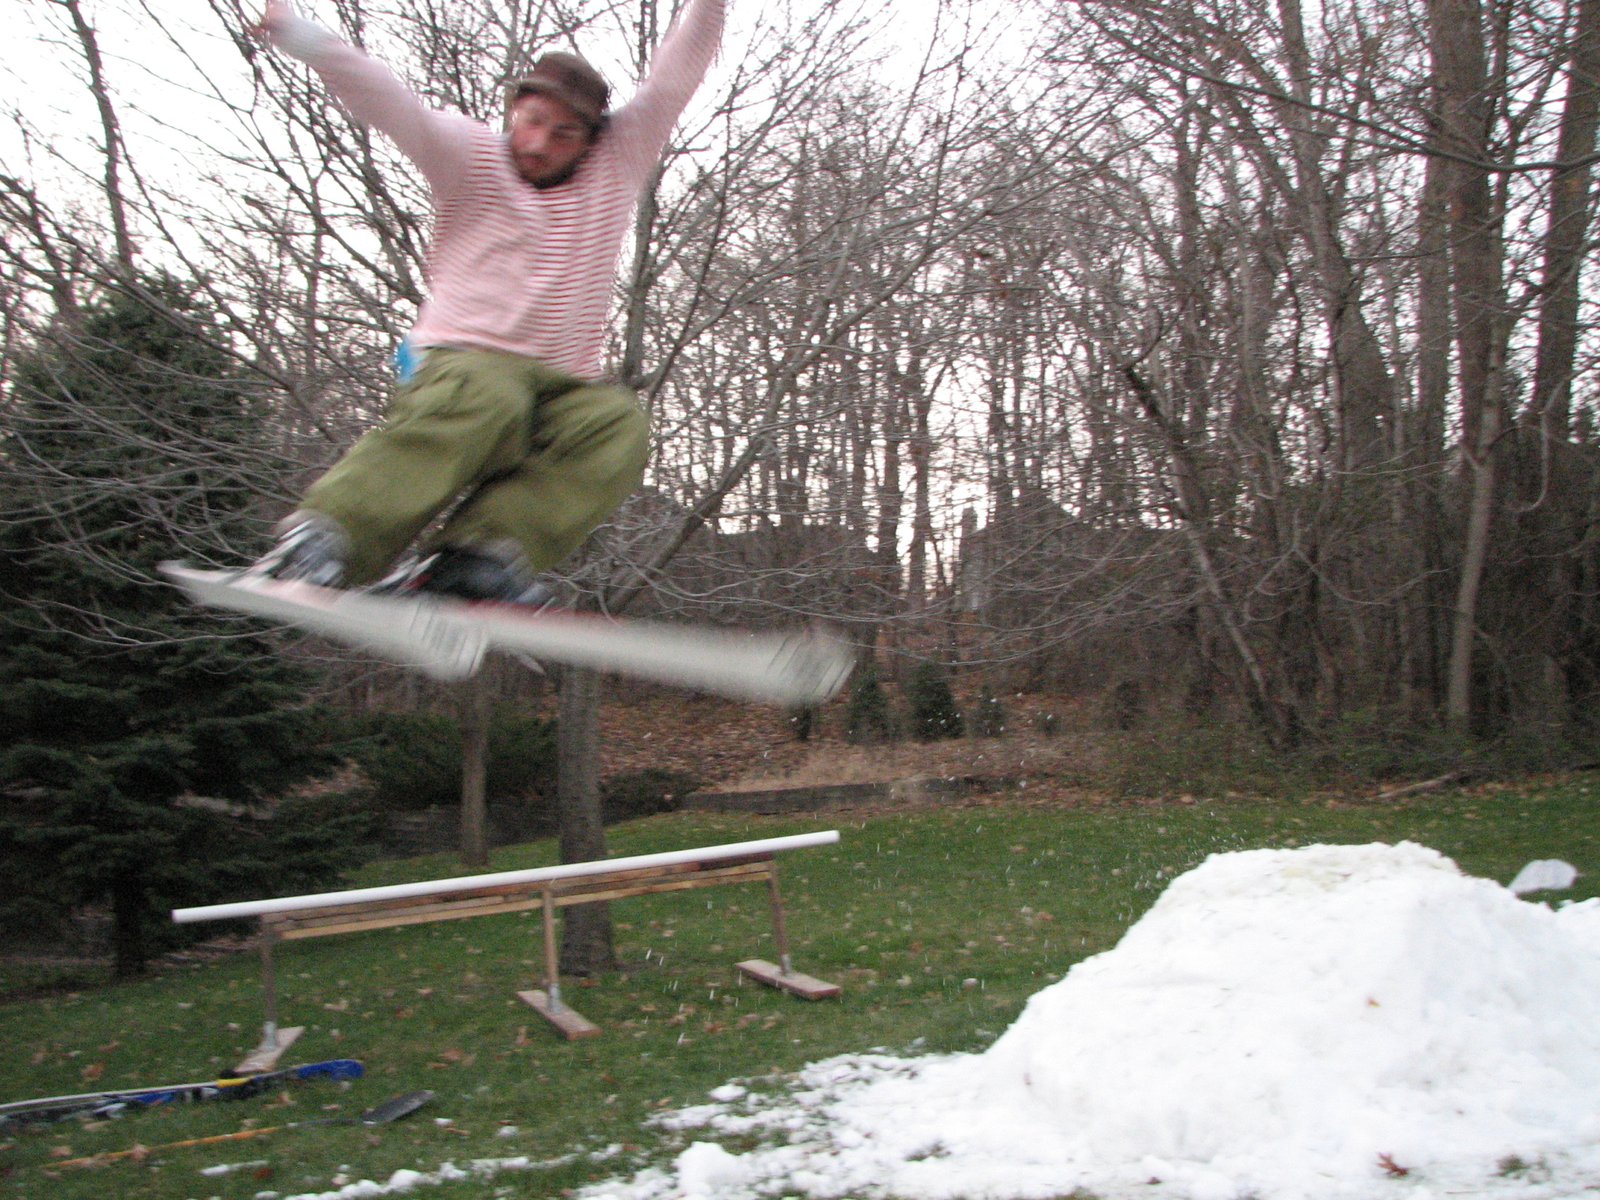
116,1101
447,639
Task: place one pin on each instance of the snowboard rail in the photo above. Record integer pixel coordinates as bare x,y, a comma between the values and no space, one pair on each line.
545,889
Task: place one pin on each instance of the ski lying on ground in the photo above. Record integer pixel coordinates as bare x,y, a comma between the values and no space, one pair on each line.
115,1101
389,1110
447,639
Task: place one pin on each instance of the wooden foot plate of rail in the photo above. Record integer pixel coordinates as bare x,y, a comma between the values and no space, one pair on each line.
568,1023
805,986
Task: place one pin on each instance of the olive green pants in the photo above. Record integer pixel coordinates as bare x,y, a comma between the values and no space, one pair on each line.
535,456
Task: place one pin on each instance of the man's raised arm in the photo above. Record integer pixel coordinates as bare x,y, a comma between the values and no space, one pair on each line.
676,71
368,90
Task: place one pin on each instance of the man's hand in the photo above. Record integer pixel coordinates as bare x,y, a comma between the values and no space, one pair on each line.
273,18
285,29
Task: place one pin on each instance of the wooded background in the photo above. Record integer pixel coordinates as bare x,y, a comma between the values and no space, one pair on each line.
1235,359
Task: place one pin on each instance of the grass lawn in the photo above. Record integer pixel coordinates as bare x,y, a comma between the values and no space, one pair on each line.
939,923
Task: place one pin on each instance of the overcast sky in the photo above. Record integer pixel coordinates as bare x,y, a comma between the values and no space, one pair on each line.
168,59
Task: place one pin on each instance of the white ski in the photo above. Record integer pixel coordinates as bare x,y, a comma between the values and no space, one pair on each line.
402,631
447,639
793,667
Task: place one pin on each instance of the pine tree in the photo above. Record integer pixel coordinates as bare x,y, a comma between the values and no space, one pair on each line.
868,719
122,441
989,717
934,713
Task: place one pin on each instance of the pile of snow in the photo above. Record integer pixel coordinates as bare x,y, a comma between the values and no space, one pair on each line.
1327,1022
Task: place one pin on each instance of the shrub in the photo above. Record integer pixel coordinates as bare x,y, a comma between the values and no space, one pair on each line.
312,839
803,721
989,717
1123,704
645,793
868,718
522,756
934,714
413,760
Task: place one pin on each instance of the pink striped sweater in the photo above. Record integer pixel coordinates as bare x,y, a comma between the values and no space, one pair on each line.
512,267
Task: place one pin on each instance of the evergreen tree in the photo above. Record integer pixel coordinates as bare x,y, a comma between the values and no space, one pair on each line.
989,717
127,436
934,714
868,719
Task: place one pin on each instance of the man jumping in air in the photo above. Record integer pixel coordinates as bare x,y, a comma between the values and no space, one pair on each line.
504,416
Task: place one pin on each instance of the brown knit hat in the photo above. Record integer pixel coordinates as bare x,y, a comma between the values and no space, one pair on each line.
567,78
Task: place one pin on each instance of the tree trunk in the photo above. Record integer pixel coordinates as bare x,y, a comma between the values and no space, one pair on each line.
1567,234
587,945
476,709
116,206
129,952
1462,82
1554,477
587,940
1280,720
1361,375
1422,451
1474,557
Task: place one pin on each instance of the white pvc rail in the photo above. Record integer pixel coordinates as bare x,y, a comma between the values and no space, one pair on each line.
467,883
